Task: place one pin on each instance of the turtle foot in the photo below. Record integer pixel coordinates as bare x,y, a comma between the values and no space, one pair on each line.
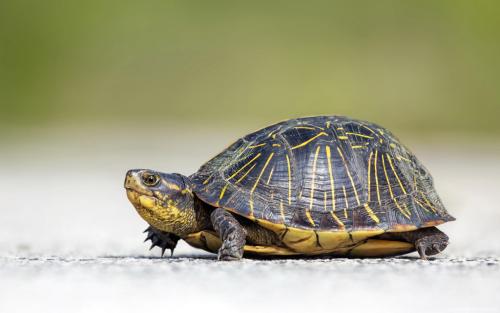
231,250
431,244
162,240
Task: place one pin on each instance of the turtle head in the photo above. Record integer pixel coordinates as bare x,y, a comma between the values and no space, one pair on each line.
163,200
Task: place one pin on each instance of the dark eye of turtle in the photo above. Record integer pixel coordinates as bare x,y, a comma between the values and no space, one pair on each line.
150,179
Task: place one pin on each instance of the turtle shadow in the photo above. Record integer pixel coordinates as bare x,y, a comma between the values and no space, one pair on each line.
329,257
167,258
191,257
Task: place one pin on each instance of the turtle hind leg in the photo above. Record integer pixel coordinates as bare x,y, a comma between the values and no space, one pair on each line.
428,241
231,232
161,239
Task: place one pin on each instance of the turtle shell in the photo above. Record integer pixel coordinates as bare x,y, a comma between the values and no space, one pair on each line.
328,174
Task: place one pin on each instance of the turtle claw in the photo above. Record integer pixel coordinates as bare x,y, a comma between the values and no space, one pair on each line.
431,245
163,252
149,237
162,240
421,252
230,252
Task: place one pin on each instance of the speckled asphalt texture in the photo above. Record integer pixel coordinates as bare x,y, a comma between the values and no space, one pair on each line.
71,242
188,284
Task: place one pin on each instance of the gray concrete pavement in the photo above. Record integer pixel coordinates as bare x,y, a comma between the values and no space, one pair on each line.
200,284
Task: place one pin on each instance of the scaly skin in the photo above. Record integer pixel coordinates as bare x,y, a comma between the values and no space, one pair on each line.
428,241
233,235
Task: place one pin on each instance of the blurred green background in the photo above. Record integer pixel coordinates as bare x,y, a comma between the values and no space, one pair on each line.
413,66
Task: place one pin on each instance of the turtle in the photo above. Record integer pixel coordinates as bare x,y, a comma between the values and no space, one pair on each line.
312,186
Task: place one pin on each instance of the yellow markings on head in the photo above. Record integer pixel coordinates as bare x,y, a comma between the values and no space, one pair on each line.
313,186
257,182
332,186
381,131
396,174
164,215
244,166
270,176
276,145
375,169
372,215
350,176
343,137
327,124
172,186
392,145
309,140
282,211
390,190
289,180
359,135
256,146
369,170
346,202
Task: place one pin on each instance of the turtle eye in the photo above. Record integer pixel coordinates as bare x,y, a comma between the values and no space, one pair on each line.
150,179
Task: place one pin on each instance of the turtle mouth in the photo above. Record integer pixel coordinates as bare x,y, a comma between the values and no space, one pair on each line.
142,200
133,196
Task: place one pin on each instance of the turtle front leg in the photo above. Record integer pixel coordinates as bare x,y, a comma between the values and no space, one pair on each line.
232,234
161,239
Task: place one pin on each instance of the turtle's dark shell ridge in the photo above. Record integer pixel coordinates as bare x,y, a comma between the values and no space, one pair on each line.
324,173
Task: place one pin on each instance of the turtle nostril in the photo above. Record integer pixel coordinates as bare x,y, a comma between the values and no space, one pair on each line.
129,179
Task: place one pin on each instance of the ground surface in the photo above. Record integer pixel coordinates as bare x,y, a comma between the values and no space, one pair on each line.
186,284
70,241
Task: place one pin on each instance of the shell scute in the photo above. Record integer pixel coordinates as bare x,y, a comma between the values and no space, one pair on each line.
324,173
